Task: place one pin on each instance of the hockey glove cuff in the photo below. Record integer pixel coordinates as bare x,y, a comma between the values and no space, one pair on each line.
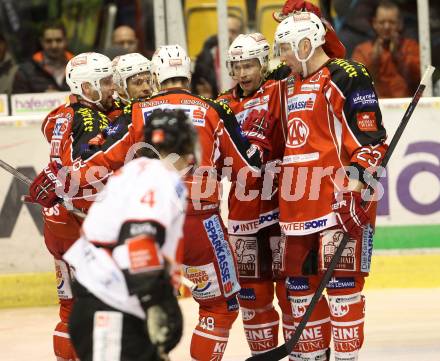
349,212
43,188
165,322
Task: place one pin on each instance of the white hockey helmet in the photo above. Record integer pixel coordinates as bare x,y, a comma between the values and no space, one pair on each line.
171,61
127,65
248,46
298,26
87,68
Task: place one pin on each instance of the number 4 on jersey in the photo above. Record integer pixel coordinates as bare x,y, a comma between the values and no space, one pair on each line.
148,198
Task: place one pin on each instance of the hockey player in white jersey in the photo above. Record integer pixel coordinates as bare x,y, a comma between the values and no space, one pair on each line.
129,245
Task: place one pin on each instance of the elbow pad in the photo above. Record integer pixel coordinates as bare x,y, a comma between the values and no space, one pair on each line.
138,255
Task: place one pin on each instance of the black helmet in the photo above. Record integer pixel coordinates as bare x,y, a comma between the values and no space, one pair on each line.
169,131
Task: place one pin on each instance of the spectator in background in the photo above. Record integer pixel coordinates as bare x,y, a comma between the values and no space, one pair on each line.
125,38
352,21
204,80
46,70
392,59
7,67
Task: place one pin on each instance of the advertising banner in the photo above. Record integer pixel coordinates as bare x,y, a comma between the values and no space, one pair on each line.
410,208
37,103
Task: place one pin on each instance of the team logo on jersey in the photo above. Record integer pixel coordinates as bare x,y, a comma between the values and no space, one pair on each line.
59,128
301,102
241,116
297,133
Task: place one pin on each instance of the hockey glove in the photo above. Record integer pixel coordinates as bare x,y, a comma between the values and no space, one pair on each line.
43,188
165,322
350,214
258,128
333,46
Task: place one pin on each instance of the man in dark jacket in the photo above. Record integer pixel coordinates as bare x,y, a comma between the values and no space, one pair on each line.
45,71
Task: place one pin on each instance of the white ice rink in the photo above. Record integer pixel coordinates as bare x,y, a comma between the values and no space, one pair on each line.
401,325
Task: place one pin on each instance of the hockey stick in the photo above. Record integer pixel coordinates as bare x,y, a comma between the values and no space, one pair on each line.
22,178
284,350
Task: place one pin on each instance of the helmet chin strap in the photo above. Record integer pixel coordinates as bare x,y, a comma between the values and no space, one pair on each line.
127,99
96,102
303,62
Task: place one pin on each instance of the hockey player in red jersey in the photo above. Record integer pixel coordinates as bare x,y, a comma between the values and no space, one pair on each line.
125,305
335,139
92,89
253,223
85,119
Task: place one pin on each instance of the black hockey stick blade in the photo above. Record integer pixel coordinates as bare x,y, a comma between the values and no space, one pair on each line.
283,351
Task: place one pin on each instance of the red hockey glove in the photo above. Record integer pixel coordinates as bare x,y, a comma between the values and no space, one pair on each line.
43,188
350,214
332,47
258,128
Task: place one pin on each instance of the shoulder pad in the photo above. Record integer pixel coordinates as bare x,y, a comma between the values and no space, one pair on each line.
128,107
220,106
225,92
344,71
90,120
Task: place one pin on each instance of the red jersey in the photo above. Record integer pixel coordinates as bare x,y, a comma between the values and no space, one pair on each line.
248,216
56,126
334,121
219,137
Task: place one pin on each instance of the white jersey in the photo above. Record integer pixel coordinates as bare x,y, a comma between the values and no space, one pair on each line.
143,190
